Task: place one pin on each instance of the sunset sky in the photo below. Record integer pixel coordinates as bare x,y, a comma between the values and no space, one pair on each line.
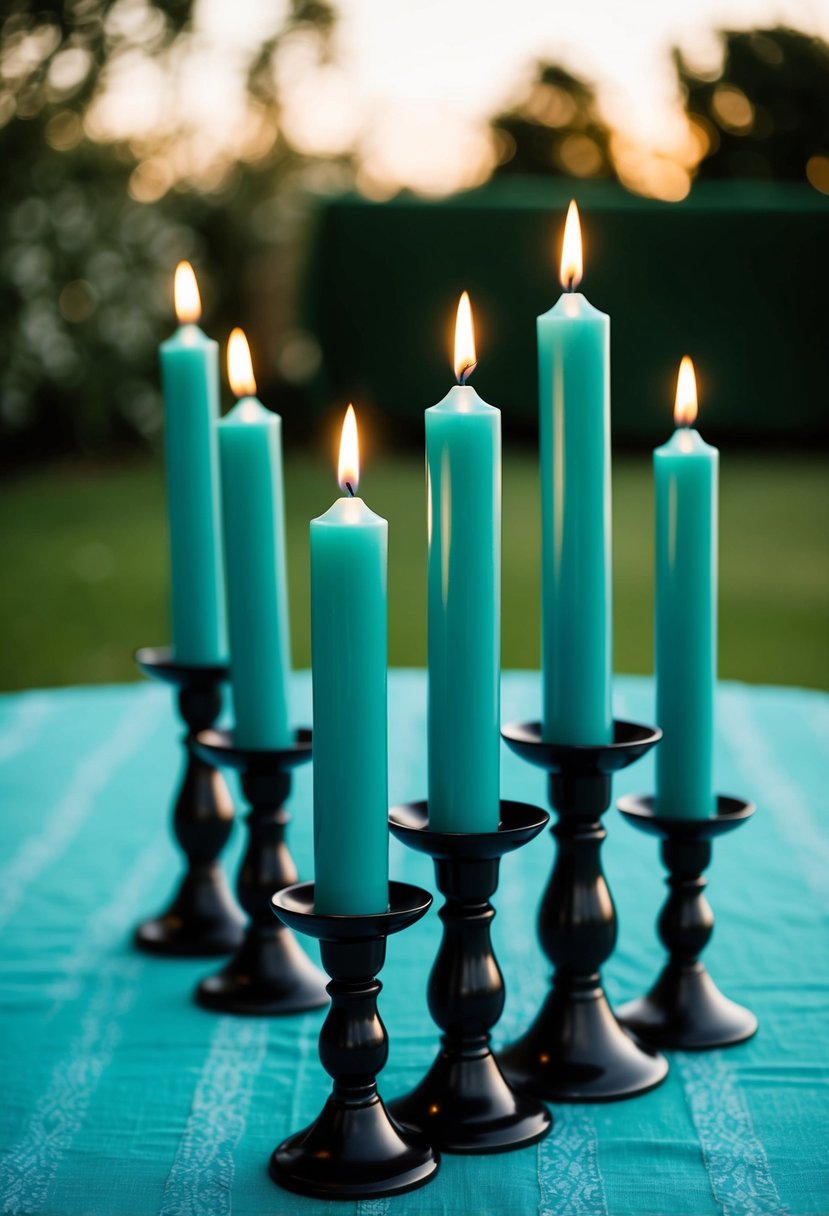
413,81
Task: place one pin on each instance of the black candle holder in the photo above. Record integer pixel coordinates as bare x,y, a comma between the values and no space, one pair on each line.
464,1104
685,1009
576,1050
202,920
354,1149
270,973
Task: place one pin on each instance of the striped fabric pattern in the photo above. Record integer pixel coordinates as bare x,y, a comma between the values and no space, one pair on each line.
119,1097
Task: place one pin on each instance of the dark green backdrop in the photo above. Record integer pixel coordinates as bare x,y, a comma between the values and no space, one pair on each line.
736,276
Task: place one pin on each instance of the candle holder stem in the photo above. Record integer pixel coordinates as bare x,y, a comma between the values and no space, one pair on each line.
202,919
270,973
576,1050
354,1149
464,1104
685,1009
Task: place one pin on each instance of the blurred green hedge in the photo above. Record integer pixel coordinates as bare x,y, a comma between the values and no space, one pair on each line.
736,276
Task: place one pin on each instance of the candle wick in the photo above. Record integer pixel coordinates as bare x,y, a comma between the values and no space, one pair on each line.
466,372
348,486
571,284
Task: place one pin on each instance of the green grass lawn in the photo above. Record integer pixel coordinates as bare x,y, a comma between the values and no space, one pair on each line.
85,580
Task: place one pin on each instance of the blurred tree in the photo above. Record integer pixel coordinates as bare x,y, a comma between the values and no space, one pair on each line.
766,114
93,229
555,128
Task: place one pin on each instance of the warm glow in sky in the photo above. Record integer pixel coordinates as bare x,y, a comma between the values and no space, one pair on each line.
413,81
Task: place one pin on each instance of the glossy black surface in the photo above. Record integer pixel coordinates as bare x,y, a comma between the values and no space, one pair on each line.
270,973
202,919
221,745
576,1050
295,907
519,823
464,1104
630,741
684,1009
354,1149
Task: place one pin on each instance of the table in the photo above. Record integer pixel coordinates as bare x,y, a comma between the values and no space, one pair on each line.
120,1097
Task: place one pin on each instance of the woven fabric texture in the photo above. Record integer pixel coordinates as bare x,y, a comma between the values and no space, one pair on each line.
119,1097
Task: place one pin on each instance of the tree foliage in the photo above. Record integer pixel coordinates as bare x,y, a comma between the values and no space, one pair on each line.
85,268
90,240
766,113
554,129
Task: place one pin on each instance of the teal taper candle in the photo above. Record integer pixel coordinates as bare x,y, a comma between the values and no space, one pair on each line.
349,546
463,465
574,401
190,384
253,514
686,471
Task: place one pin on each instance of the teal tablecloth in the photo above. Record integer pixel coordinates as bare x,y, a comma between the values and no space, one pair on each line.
120,1098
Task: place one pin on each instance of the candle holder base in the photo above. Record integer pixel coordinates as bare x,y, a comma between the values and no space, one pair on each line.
270,973
354,1149
464,1104
576,1050
685,1009
352,1152
202,920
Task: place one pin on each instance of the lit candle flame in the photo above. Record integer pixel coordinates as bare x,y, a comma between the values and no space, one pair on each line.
466,359
239,366
186,294
348,469
685,407
572,262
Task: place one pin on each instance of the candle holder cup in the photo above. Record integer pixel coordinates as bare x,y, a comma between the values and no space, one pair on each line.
202,919
684,1009
354,1149
576,1050
464,1103
270,973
